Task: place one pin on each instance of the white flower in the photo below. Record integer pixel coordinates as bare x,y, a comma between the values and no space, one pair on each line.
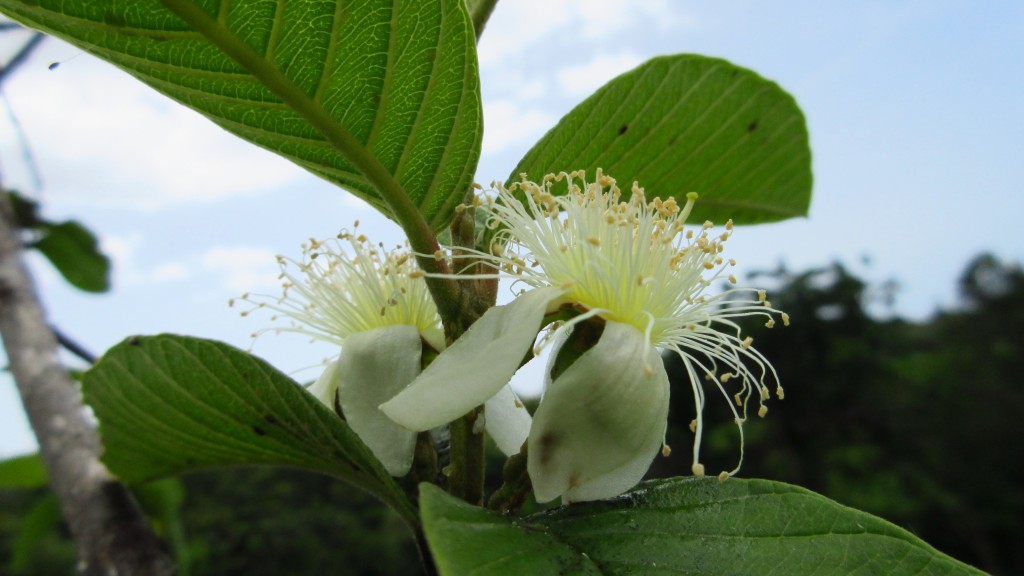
376,306
632,266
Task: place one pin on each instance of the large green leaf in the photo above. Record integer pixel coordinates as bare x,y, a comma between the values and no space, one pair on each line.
679,526
172,404
377,96
689,123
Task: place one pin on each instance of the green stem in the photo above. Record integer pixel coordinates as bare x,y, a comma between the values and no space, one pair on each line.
466,475
421,236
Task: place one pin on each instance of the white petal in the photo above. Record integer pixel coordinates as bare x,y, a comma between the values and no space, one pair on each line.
373,367
602,421
326,386
475,366
507,421
620,479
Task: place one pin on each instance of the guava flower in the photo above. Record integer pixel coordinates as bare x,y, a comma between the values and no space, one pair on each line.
375,305
633,267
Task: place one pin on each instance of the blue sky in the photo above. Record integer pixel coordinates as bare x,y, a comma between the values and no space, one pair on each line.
913,110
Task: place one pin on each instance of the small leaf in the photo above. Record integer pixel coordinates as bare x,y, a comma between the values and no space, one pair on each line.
679,526
355,92
689,123
26,211
172,404
25,471
74,252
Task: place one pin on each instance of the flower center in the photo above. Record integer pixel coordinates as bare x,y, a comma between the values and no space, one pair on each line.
345,285
630,261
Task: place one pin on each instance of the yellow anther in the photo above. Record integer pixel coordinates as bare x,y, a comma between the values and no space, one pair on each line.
785,319
693,426
747,342
723,476
666,450
762,411
698,469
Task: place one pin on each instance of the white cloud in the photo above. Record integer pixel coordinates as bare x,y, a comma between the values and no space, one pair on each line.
506,123
243,268
170,271
101,136
583,80
518,26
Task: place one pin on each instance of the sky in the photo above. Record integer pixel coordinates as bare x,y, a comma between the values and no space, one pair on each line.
912,108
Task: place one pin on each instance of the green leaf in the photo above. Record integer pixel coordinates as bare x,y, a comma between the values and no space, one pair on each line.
69,246
379,97
172,404
689,123
679,526
25,471
74,252
42,519
162,500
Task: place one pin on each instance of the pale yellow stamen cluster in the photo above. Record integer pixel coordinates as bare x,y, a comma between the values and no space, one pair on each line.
346,285
635,262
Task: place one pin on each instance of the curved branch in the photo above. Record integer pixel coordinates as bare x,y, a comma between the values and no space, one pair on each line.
112,535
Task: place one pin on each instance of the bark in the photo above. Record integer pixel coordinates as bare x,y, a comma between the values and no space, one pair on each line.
112,535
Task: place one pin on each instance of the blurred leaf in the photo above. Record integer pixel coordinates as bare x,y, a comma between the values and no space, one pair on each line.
40,521
679,526
344,89
162,500
689,123
172,404
26,212
25,471
73,250
69,246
